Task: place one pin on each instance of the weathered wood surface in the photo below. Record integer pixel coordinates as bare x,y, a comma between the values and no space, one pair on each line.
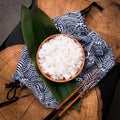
29,108
105,23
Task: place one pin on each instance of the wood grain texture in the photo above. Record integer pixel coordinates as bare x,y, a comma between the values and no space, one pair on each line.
29,108
105,23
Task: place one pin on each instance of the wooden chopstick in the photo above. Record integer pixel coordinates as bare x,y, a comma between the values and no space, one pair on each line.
70,96
75,99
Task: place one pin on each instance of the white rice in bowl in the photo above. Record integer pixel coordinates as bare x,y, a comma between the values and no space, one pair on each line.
60,57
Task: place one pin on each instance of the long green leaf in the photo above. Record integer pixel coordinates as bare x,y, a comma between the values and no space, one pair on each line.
36,26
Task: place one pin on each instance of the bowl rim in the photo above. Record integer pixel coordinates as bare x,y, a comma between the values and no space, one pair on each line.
47,75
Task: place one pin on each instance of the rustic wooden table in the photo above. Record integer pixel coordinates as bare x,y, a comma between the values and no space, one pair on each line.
105,23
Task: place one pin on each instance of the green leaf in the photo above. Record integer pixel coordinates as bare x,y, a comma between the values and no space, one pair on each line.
36,26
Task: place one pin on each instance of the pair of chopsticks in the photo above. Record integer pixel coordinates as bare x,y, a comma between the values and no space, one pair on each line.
58,112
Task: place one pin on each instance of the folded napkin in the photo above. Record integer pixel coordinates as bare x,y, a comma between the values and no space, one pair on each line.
97,55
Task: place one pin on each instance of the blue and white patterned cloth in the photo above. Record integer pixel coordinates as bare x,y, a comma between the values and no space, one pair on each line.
98,55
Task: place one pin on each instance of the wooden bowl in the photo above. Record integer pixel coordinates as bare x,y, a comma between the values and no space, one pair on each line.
47,75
